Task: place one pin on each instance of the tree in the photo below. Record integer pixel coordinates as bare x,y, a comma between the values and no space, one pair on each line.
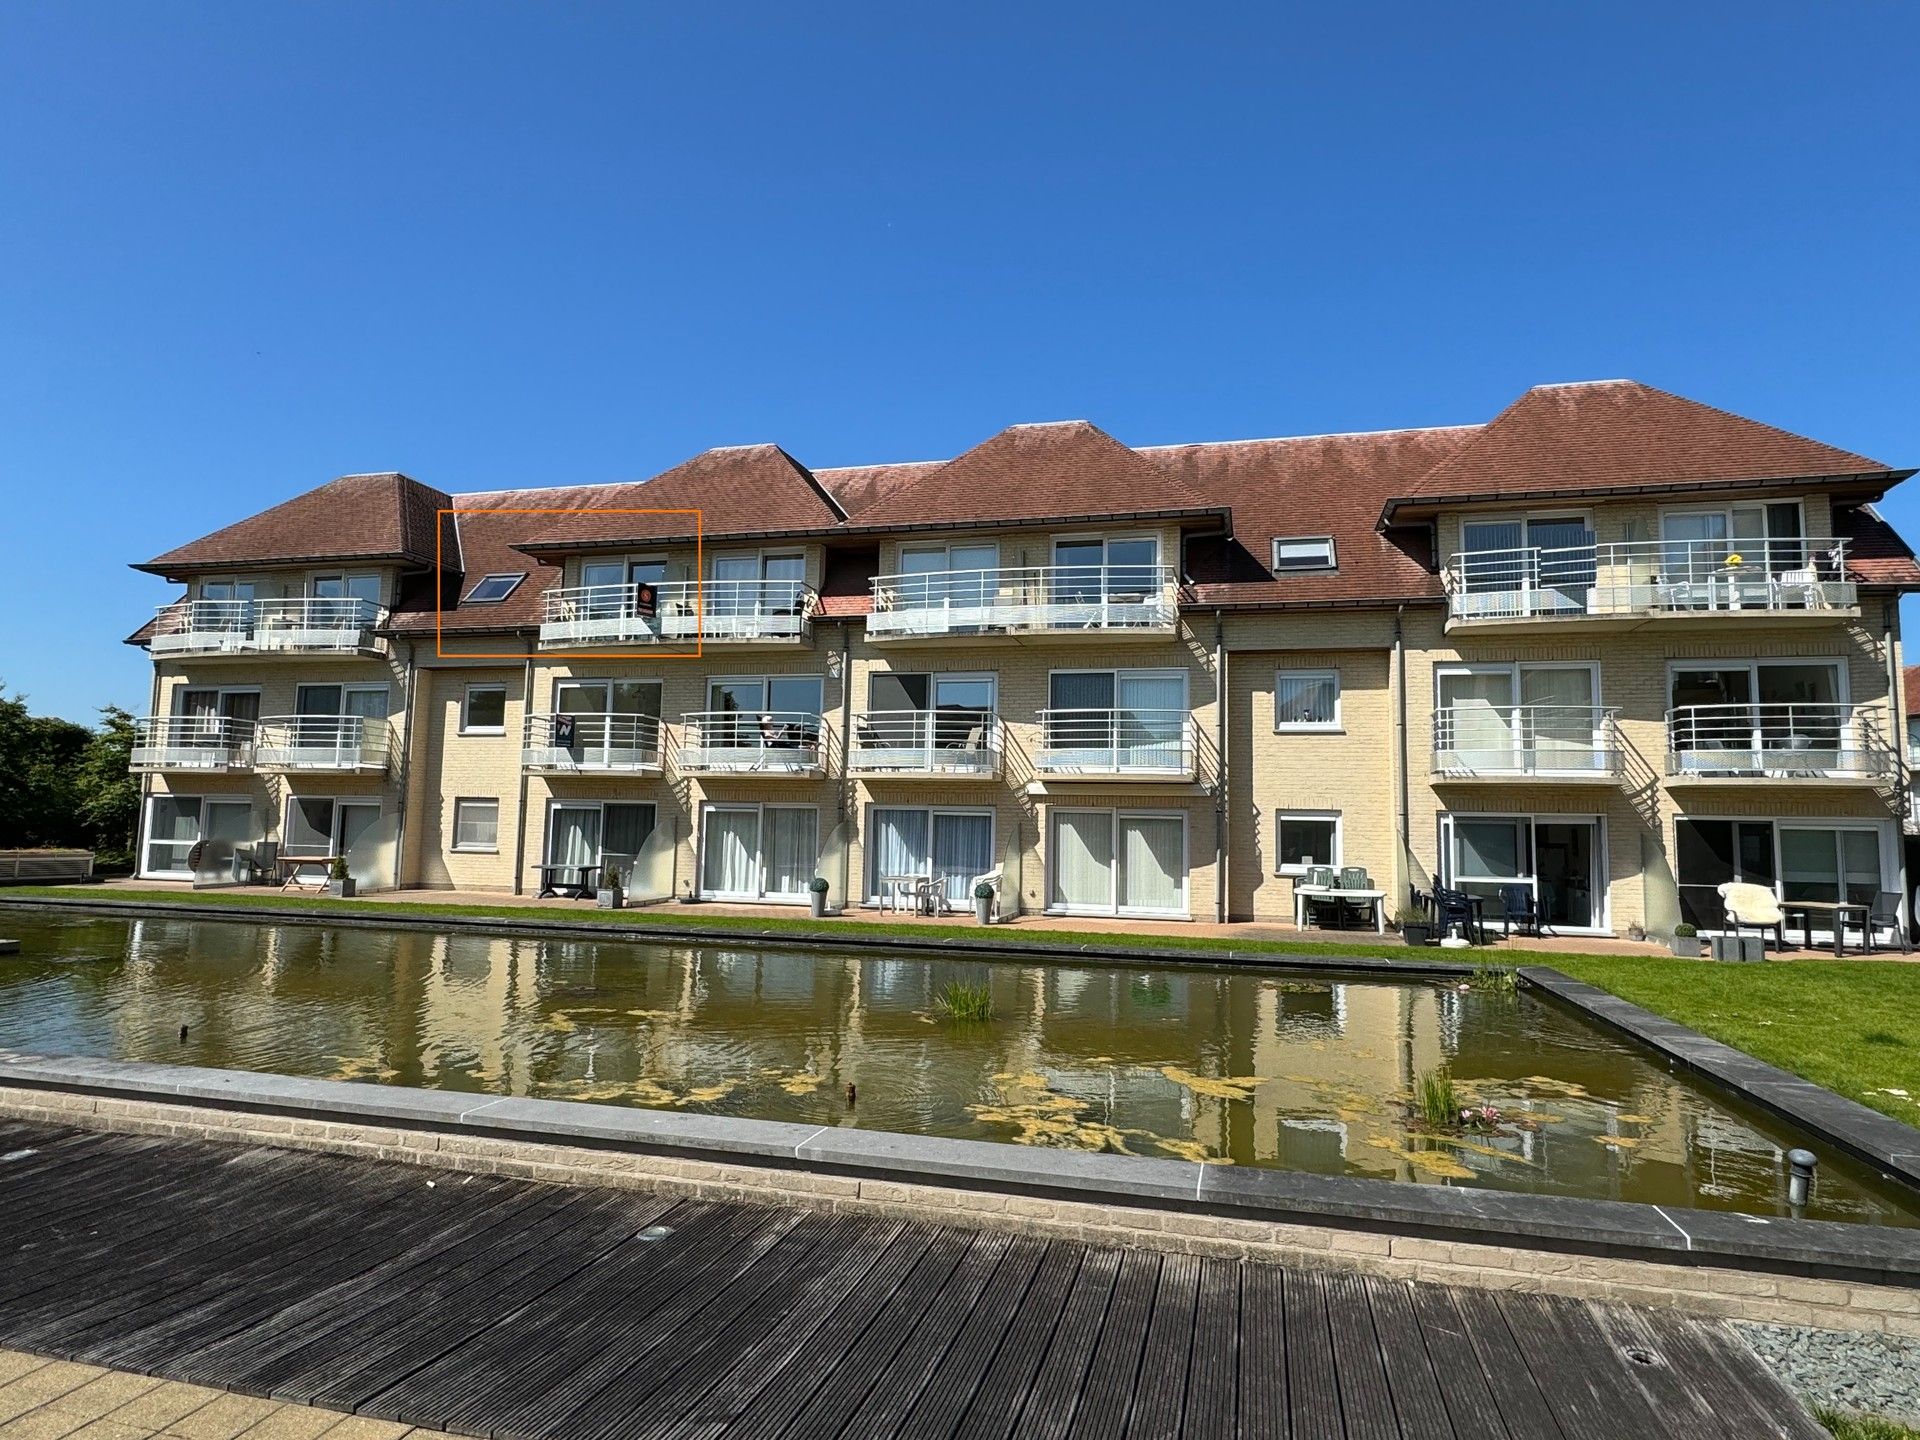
108,794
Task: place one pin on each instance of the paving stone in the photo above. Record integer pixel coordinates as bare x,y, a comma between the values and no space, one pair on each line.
40,1424
104,1394
164,1405
292,1422
222,1418
362,1427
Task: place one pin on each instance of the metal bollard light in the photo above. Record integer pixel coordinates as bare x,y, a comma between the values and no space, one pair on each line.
1800,1165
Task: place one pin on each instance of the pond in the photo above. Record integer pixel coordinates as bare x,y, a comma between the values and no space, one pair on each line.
1298,1071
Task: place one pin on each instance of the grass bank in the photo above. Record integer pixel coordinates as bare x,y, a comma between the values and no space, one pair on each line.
1850,1025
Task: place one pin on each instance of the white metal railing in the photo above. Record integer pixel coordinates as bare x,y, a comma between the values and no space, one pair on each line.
320,742
925,742
607,742
1524,740
1641,577
646,612
1025,597
1786,740
192,742
1116,742
772,742
213,627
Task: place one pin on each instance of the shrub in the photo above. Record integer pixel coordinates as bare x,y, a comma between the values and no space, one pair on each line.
1503,979
338,870
818,885
1436,1099
1685,931
984,891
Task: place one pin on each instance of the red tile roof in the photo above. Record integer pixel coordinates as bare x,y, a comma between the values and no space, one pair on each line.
1619,434
1910,687
384,516
1065,470
858,486
739,490
1876,555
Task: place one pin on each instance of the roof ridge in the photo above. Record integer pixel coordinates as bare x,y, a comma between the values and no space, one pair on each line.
1324,435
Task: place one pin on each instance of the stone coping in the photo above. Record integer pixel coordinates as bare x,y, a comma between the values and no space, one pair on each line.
1010,947
1864,1133
1870,1254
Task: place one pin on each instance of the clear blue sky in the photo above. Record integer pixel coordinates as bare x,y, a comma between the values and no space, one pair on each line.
245,248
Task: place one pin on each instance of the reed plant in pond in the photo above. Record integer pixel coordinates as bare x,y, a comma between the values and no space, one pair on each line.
1436,1099
957,1000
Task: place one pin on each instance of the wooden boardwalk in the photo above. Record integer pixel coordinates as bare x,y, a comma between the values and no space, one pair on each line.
504,1308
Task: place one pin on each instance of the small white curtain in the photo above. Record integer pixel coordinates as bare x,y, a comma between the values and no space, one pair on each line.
1152,871
962,849
793,847
1477,723
899,845
1565,728
576,836
731,852
1154,712
1083,859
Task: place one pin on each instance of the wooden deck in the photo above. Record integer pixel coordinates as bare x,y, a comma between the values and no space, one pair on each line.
506,1308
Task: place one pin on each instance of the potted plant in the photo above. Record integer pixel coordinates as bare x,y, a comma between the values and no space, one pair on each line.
339,883
983,897
1416,926
1686,941
611,894
818,890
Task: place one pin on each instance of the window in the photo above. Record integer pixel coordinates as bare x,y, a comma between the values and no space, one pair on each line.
1303,552
1119,568
476,825
494,588
485,710
1305,838
1306,700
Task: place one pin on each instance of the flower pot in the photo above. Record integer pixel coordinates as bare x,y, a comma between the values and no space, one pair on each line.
610,899
983,910
341,889
1686,947
1419,932
819,898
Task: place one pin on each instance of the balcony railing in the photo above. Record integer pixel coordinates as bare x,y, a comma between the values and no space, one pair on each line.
192,742
1116,743
1025,598
252,627
1799,740
1524,741
1650,577
737,742
591,744
953,744
321,742
647,613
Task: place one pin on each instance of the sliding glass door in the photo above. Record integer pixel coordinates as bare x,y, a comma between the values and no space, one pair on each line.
1116,862
953,845
1559,859
755,852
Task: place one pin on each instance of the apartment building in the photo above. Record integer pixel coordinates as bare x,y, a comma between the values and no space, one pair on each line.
1613,645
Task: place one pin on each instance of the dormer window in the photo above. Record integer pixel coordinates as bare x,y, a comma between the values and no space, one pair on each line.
492,589
1293,553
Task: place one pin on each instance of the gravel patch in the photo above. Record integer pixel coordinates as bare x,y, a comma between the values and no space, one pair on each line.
1877,1374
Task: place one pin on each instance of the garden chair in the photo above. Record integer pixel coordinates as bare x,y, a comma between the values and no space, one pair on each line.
1355,912
1320,877
1755,908
1885,915
1458,908
1520,910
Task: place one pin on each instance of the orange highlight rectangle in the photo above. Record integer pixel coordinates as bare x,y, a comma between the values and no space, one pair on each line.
699,593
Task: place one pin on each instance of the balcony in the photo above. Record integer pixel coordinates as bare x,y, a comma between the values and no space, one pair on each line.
1526,742
207,743
1113,601
1116,745
330,744
255,627
1801,741
946,744
1618,586
771,743
714,611
591,744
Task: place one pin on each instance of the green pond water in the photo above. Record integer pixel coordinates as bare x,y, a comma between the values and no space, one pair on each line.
1301,1072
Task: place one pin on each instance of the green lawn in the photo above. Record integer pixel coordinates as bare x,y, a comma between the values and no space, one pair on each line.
1851,1025
1863,1427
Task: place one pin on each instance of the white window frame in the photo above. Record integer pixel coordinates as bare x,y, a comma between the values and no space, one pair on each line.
871,859
346,688
290,800
453,833
1332,562
467,727
201,802
1762,505
946,548
1602,857
1335,726
1281,817
561,803
760,896
347,577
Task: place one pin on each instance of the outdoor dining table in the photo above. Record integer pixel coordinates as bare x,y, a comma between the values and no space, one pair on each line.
1376,901
904,892
554,881
293,869
1839,910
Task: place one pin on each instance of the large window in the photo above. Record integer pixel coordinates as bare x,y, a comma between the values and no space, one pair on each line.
758,584
952,845
1696,544
1814,861
1549,553
753,852
939,712
962,576
596,832
176,823
1748,714
1117,568
1559,859
1126,719
325,826
1304,839
1499,717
